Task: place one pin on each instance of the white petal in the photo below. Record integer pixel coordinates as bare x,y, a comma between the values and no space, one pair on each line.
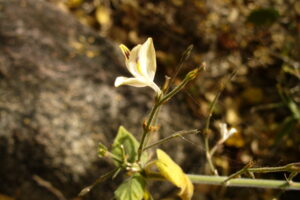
130,81
136,82
155,87
133,61
147,59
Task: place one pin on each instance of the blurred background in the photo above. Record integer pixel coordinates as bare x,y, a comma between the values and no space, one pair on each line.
257,40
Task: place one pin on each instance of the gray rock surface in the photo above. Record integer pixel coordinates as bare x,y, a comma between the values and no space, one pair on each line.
57,102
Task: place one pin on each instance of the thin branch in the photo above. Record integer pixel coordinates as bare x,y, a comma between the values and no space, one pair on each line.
244,182
46,184
102,178
173,136
208,152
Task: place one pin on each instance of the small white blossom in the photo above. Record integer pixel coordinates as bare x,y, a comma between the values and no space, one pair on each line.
141,63
225,133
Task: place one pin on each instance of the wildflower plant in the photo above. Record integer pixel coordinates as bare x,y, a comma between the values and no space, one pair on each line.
131,156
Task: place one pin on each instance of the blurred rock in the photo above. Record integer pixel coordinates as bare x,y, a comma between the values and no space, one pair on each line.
57,102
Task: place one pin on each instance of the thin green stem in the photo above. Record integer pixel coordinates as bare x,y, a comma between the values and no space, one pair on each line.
153,123
186,54
214,149
242,171
208,156
189,77
174,135
206,134
209,153
173,92
292,167
146,130
161,100
102,178
244,182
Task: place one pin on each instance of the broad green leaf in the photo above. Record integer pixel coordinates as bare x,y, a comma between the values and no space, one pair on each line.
132,189
173,173
130,146
129,143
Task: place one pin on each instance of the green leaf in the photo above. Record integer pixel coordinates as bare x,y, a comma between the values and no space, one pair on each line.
130,147
263,16
132,189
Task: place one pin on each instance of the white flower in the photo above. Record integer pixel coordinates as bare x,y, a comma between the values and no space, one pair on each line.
141,63
225,133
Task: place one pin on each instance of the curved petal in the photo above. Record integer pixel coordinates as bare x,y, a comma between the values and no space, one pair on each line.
147,59
173,173
154,87
136,82
132,62
130,81
125,51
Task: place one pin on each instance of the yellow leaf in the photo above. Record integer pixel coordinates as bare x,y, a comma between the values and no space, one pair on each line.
173,173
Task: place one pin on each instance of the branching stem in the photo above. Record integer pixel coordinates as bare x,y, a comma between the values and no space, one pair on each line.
174,135
244,182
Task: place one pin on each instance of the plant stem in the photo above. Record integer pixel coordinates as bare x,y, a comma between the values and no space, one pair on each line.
161,100
174,91
208,156
174,135
209,153
155,108
102,178
292,167
206,134
146,129
244,182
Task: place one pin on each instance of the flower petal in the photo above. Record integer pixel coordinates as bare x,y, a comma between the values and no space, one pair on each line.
141,63
187,192
154,87
130,81
173,173
147,59
125,51
132,63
